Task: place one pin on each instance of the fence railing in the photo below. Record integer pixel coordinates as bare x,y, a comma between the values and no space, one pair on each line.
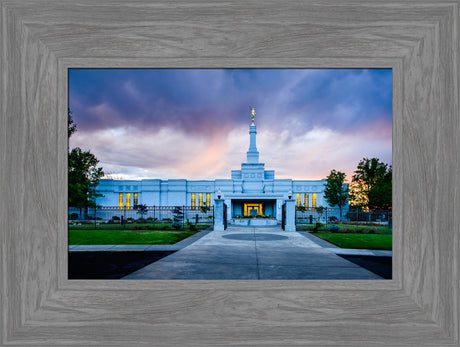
151,213
356,216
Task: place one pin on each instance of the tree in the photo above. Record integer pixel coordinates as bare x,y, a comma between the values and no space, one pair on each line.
380,195
356,196
335,191
178,217
83,173
205,208
319,211
142,210
372,184
84,177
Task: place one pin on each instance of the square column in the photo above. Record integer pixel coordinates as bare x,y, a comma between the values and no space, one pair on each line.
290,215
219,215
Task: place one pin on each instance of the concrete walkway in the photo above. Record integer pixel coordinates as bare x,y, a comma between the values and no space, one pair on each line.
254,253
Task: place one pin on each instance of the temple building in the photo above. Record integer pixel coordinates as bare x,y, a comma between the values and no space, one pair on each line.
251,190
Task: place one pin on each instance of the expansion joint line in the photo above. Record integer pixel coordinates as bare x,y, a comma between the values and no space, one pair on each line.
257,256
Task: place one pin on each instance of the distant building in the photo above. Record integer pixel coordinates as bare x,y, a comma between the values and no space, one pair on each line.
252,190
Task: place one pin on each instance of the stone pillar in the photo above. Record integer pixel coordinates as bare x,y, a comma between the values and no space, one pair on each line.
290,215
219,215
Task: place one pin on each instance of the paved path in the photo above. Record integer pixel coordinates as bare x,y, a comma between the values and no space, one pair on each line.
254,253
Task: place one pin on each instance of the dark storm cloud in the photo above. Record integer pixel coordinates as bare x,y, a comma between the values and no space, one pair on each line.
189,98
185,99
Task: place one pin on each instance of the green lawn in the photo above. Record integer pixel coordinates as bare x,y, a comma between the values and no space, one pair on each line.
363,241
127,237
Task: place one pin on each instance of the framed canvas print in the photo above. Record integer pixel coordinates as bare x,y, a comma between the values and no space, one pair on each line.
42,40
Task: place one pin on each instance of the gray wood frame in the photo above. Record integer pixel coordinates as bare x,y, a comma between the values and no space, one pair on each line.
40,39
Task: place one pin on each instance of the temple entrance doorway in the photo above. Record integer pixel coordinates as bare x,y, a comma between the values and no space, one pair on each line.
251,209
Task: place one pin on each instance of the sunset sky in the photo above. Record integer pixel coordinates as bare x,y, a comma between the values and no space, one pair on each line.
194,123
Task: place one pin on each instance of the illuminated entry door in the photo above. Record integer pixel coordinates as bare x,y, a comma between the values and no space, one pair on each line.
252,209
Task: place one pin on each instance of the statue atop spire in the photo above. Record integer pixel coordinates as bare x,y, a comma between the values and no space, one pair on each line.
253,113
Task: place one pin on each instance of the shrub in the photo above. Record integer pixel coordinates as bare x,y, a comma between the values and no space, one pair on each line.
205,208
334,229
115,218
300,208
317,226
73,216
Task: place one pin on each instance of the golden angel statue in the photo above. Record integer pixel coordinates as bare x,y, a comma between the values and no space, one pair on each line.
253,113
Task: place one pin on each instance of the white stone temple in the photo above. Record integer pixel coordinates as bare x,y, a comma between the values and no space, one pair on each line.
251,190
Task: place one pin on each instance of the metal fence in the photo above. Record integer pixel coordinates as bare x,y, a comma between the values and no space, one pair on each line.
152,213
356,216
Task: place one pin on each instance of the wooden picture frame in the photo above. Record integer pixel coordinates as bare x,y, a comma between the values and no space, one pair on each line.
40,40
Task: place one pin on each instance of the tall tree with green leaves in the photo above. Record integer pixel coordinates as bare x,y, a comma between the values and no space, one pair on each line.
83,174
373,181
380,195
336,191
84,177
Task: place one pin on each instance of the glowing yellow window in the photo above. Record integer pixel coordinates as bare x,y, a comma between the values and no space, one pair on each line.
128,201
306,200
193,201
120,201
208,199
136,199
200,199
299,197
313,200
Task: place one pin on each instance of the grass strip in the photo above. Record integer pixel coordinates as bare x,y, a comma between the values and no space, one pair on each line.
127,237
358,241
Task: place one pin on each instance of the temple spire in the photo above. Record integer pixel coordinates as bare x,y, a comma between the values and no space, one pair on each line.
253,154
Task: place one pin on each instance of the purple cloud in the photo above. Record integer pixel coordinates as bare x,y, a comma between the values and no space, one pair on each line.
184,122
